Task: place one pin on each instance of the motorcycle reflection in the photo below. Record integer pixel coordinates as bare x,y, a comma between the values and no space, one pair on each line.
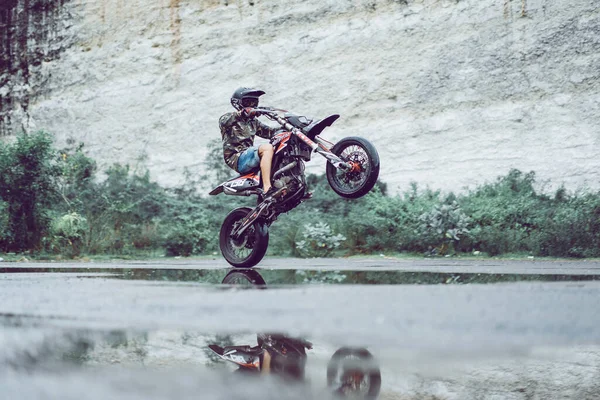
351,372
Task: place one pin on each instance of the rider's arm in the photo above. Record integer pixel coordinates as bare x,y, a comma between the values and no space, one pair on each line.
264,131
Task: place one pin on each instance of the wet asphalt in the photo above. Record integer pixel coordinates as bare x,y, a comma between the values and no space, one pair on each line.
140,329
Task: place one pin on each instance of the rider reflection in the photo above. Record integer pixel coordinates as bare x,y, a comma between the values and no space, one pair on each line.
282,355
350,372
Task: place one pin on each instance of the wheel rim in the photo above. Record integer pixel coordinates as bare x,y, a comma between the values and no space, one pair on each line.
357,176
241,248
356,383
240,280
353,382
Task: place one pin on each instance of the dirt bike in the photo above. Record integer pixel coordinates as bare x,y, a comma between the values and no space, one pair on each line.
352,171
351,372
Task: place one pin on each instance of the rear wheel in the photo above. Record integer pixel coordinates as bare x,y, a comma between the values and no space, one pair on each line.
353,373
361,178
250,248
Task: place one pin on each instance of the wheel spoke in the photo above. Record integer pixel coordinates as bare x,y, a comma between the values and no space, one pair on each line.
352,179
242,247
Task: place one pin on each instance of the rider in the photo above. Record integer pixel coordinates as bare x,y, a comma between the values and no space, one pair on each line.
238,130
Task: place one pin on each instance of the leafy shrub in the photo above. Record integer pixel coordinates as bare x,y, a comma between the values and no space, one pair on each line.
67,234
504,213
147,236
284,234
378,222
187,235
77,176
319,240
127,211
4,220
444,224
124,210
27,172
571,228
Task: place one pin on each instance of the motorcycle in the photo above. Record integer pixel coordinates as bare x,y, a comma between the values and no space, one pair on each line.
351,372
287,356
352,171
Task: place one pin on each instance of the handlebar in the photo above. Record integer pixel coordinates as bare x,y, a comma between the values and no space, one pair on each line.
267,111
274,115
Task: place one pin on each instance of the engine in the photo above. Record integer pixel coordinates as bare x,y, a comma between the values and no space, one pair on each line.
290,176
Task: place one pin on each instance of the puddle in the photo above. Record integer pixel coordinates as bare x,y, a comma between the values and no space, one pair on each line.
275,277
55,342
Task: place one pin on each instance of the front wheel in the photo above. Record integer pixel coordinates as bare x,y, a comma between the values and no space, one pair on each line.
361,178
250,248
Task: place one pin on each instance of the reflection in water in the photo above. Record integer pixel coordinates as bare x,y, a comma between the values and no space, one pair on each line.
44,356
305,276
26,344
351,372
244,277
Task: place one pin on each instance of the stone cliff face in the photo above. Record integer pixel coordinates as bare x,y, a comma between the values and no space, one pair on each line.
452,93
32,33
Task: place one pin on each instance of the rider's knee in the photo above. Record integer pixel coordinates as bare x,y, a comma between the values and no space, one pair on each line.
266,148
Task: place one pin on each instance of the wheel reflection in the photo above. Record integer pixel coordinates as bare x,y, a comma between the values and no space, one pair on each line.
244,277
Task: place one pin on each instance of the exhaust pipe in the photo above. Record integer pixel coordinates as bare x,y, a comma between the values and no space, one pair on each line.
233,192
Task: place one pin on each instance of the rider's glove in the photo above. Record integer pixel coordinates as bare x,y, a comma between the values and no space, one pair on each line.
249,112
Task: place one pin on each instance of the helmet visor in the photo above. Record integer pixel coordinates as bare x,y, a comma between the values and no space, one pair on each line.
250,102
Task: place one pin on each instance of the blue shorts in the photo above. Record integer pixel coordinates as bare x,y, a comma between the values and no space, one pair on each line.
248,160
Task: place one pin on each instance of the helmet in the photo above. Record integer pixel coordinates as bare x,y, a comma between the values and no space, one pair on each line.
245,97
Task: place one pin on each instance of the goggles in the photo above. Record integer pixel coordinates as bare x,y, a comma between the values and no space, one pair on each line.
251,102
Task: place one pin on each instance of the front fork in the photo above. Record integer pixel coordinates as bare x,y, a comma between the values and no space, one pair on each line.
334,160
321,148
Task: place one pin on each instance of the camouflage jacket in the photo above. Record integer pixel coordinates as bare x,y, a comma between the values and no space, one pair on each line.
238,134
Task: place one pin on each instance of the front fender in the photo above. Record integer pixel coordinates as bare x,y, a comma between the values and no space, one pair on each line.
316,128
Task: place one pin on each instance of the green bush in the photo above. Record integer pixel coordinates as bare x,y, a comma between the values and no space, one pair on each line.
188,235
27,174
67,234
4,222
284,233
444,225
318,240
123,211
379,223
127,212
571,228
505,213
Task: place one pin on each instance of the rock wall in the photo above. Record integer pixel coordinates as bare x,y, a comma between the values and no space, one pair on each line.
32,33
451,92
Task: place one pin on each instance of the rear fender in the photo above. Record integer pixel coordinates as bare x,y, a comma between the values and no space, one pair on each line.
238,184
239,358
217,190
